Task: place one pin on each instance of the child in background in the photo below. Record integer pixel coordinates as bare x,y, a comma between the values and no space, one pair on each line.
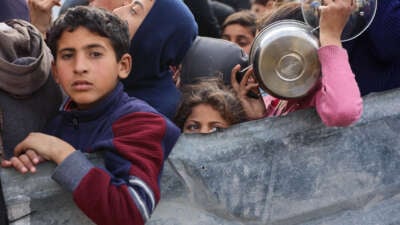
240,28
337,99
207,106
90,47
261,7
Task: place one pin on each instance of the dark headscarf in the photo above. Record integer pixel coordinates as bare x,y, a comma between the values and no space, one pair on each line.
13,9
161,41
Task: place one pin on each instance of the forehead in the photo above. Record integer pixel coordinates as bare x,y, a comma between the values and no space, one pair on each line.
237,29
81,37
206,113
106,4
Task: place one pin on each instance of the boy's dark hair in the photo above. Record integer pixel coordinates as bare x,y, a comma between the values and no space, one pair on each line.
94,19
244,18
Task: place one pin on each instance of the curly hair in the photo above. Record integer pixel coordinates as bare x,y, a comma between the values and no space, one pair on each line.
211,91
105,24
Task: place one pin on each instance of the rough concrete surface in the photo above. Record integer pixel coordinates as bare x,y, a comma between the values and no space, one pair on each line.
289,170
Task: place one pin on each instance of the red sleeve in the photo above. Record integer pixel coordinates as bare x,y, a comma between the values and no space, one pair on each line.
128,193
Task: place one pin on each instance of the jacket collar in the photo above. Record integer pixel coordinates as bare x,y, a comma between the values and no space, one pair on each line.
104,107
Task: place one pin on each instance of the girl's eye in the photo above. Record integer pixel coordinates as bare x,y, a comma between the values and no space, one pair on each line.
192,127
216,129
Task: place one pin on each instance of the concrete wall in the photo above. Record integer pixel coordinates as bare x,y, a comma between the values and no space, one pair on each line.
287,170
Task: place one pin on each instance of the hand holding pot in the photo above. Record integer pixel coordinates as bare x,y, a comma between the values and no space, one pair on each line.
334,16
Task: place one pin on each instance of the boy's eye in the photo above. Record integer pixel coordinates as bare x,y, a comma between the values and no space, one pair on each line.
225,37
243,43
66,56
95,54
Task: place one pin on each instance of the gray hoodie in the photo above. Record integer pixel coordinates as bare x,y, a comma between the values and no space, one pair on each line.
29,97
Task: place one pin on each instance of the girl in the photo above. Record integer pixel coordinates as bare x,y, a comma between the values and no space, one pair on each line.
207,106
337,99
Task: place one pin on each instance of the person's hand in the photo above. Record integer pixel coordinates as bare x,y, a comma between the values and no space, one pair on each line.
134,14
47,146
23,163
334,16
40,13
253,107
176,74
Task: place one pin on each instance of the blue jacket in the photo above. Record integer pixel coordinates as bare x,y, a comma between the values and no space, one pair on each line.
375,55
13,9
134,140
162,40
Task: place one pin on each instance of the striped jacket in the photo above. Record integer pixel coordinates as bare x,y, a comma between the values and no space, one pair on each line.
134,140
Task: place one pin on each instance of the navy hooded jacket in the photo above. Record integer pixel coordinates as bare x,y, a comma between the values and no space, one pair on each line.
161,41
13,9
375,55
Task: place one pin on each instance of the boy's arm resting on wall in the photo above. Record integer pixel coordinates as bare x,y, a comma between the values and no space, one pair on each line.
338,101
128,190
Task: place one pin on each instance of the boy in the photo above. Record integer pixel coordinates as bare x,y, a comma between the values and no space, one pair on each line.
90,49
163,32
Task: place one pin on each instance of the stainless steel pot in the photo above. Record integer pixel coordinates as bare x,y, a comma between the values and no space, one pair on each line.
285,60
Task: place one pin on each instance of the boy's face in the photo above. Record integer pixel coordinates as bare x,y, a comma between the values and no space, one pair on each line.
86,66
240,35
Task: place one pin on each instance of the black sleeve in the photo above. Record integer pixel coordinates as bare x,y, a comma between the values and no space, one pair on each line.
205,18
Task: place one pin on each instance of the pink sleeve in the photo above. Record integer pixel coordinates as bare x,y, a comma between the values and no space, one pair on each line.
338,101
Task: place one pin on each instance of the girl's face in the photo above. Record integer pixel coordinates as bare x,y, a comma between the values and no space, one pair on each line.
204,119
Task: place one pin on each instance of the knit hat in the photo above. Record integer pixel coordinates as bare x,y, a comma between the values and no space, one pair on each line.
25,60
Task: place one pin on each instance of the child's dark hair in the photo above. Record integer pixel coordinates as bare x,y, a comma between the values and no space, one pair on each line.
211,91
244,18
291,10
105,24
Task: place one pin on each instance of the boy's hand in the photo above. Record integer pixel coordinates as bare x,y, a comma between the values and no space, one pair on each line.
254,108
23,163
49,147
334,16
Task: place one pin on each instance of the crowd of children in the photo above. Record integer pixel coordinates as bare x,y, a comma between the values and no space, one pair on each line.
118,63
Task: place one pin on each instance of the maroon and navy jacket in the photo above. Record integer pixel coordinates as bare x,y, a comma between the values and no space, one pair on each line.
134,141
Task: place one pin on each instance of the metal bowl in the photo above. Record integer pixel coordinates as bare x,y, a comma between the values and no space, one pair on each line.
285,60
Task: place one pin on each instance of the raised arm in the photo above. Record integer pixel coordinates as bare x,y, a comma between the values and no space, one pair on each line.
338,101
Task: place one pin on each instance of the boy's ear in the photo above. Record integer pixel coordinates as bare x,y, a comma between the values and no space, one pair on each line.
54,72
125,65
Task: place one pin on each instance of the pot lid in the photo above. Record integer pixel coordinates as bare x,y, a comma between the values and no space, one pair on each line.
285,59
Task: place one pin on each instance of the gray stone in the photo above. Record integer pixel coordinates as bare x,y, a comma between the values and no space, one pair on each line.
289,170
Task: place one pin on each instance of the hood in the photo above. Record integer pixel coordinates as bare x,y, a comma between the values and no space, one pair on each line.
161,40
25,60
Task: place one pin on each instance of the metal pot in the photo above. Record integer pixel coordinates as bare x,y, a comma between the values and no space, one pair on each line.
285,60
